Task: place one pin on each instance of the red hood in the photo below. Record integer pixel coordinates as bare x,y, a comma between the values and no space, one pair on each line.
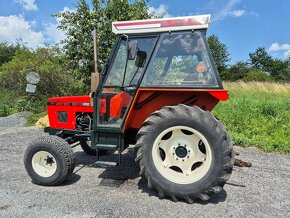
85,98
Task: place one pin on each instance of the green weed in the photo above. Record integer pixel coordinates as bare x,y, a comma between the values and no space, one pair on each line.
257,118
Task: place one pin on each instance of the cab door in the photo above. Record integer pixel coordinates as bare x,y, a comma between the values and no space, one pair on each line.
122,79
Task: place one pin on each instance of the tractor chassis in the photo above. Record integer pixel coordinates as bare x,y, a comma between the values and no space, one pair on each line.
71,136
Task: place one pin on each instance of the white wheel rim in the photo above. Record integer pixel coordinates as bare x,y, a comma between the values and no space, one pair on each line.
168,155
44,164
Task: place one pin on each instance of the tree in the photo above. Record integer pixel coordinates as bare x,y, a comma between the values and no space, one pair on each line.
261,60
219,52
237,71
48,63
7,51
278,69
78,26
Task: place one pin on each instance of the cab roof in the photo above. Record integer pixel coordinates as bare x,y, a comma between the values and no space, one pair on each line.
162,24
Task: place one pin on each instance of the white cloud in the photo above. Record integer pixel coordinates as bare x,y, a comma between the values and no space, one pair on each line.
52,33
237,13
283,47
13,28
161,11
28,5
68,9
228,10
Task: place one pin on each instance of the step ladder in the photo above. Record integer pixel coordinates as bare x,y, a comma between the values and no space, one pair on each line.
111,147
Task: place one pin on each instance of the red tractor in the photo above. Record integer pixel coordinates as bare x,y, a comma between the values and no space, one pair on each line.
156,92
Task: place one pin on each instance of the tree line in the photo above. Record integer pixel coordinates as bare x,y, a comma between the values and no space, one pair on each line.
259,67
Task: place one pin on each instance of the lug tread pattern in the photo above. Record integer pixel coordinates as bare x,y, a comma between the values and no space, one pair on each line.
196,113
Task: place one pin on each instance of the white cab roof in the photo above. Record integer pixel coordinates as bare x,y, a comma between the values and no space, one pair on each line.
162,24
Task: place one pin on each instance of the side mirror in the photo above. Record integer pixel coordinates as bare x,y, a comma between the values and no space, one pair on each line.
141,59
132,49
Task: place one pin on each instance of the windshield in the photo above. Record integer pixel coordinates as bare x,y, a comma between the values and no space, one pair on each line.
181,59
133,72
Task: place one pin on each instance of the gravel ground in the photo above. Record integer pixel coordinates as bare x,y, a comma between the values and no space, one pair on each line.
260,191
15,120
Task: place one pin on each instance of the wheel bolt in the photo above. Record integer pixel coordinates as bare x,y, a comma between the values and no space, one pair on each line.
185,146
173,147
188,150
176,158
182,159
187,156
172,153
179,144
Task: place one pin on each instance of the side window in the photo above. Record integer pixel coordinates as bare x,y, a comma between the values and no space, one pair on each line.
115,76
180,59
133,72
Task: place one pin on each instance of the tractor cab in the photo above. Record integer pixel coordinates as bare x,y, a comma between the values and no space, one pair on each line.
156,56
156,92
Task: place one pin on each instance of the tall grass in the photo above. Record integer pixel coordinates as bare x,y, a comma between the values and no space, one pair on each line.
257,114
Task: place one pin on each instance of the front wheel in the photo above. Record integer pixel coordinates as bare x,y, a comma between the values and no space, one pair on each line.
49,160
184,153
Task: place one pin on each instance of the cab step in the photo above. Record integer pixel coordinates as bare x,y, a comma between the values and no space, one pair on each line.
105,164
106,147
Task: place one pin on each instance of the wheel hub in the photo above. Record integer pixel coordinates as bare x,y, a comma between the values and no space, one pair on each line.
179,157
44,163
181,151
49,160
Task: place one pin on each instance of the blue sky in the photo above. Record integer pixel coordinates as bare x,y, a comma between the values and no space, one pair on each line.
243,25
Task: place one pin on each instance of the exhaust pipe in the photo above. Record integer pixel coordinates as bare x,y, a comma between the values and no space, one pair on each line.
95,76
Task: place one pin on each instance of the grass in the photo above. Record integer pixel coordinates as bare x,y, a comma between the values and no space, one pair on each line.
11,103
257,114
31,120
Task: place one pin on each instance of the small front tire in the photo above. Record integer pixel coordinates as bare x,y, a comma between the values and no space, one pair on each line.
49,161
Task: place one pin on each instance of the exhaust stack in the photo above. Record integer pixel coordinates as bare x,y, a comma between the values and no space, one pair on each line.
95,76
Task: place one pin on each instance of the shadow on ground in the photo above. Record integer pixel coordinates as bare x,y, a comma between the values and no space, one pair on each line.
128,170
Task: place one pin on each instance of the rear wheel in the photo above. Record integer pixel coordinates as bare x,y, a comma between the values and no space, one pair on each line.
184,153
49,160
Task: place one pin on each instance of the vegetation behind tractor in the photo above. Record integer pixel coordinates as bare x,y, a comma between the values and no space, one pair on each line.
156,92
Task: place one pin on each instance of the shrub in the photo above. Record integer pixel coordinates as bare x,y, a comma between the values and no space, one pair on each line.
55,76
256,75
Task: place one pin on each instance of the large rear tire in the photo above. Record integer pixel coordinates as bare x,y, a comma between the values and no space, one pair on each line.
184,153
49,160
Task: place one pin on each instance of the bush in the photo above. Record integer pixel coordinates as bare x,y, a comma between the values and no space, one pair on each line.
256,75
55,80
